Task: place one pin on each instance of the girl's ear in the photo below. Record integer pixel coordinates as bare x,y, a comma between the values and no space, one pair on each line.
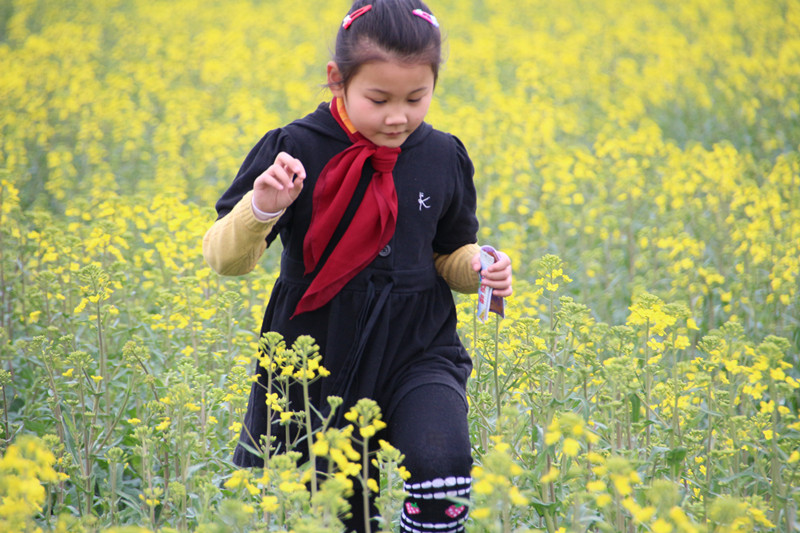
335,80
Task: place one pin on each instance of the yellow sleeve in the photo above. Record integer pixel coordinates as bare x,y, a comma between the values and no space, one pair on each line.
234,244
456,268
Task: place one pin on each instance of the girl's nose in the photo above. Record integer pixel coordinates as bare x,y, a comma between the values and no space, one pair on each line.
396,118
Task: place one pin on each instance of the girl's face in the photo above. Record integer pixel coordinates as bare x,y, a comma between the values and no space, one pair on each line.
385,100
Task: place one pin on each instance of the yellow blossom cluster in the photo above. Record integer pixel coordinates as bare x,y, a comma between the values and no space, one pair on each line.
494,483
640,164
572,429
25,467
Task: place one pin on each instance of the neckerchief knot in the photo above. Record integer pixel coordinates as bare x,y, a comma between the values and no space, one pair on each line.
384,158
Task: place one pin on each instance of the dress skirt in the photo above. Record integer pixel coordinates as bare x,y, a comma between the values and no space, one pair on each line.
384,334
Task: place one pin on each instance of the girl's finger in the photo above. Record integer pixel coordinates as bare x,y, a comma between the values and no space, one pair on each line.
292,166
297,187
278,177
504,292
268,180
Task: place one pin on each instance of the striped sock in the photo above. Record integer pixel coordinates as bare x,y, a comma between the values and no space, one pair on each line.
433,506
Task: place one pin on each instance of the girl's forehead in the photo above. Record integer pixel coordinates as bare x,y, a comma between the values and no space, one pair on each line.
394,73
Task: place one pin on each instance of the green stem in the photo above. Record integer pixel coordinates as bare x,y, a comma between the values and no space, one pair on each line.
676,427
103,365
7,426
3,292
307,404
86,464
775,473
709,436
496,369
506,516
647,385
549,522
267,452
56,404
113,474
365,485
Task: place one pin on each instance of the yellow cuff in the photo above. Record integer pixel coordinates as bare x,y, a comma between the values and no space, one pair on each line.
456,268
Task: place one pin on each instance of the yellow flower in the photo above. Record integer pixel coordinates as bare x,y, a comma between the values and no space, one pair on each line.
291,486
484,486
645,514
622,484
239,478
191,407
777,374
597,485
81,306
661,526
603,499
516,497
269,504
403,473
481,513
759,516
320,448
595,458
550,476
372,429
165,422
571,447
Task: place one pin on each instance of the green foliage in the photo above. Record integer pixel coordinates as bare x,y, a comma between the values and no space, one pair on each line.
638,162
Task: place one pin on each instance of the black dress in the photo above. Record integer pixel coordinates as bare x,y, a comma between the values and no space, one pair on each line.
393,327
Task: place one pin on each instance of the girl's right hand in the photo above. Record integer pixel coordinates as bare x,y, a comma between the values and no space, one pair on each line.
278,186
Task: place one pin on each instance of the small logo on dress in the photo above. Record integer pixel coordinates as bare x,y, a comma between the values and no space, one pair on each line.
423,201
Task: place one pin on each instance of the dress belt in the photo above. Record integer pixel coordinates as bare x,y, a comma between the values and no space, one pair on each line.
410,280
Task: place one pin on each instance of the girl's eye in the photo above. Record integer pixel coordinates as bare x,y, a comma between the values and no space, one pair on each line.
414,100
378,102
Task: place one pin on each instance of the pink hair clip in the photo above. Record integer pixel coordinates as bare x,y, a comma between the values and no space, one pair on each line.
350,17
427,16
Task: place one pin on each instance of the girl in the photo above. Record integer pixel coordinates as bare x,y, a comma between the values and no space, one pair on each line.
376,213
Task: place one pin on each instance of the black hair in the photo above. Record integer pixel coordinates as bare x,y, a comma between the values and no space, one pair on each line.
389,30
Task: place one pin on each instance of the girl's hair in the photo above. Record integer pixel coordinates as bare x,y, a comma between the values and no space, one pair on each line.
389,30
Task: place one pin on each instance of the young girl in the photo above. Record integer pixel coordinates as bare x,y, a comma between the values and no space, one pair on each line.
376,213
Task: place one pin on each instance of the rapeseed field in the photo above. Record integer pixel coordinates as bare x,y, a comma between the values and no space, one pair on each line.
639,162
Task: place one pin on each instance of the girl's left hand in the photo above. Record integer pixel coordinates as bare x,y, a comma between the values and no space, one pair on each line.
497,276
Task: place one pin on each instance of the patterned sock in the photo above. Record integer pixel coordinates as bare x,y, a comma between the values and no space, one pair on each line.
432,506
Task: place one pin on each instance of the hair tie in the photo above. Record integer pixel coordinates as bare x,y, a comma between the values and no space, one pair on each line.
350,17
427,16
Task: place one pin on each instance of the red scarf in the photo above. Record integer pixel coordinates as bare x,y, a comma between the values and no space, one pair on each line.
372,226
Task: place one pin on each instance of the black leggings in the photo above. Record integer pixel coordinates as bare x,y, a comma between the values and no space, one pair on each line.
429,426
